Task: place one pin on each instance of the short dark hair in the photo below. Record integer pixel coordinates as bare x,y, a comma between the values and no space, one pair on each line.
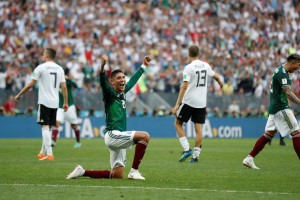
193,51
51,53
66,70
293,57
114,73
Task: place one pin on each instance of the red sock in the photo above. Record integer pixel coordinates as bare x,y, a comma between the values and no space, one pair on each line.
260,144
139,154
97,173
77,134
54,133
296,143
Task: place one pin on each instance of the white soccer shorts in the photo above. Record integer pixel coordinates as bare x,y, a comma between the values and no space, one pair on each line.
283,121
70,115
118,142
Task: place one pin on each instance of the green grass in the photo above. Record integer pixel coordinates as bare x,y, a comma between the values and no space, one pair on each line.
218,175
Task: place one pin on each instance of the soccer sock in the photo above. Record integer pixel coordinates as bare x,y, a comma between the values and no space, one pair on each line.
184,143
43,149
77,134
139,153
47,140
97,173
281,138
54,133
296,143
196,152
260,144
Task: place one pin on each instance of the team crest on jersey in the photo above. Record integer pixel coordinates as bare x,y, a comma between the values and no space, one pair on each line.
284,81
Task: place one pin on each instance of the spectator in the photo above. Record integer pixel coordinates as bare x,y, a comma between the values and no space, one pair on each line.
2,80
234,108
1,111
245,87
228,88
133,112
259,89
238,37
88,78
216,112
10,106
145,112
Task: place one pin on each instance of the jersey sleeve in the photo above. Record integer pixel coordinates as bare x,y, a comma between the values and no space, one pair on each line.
210,72
73,83
106,87
283,79
132,81
36,74
186,74
63,79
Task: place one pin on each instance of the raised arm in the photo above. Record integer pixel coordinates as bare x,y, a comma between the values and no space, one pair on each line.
104,60
138,74
103,82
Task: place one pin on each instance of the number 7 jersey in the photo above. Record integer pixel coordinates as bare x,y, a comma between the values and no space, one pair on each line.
49,76
196,73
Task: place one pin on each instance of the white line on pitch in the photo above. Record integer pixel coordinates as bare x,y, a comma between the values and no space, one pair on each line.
147,188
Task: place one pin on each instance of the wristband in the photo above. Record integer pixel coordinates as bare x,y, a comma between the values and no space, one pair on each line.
143,66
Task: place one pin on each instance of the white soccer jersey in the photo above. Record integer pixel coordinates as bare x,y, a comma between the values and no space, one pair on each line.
196,73
49,76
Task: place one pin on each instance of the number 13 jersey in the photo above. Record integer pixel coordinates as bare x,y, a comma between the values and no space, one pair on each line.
196,73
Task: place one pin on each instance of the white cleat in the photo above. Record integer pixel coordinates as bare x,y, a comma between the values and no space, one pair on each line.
77,172
249,162
135,175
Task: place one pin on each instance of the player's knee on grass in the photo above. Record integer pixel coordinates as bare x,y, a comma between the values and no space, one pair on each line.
117,172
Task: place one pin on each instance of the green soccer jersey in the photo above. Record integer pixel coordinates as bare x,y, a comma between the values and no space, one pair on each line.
70,84
278,98
115,103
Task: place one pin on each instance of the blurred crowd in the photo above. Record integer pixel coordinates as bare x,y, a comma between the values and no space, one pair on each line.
243,40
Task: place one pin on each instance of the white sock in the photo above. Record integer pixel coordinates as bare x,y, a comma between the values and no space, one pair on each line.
133,170
47,141
196,152
43,149
184,143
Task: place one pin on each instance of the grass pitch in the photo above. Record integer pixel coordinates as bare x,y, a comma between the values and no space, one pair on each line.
218,175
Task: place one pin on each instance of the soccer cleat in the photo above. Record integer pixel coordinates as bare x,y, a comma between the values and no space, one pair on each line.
135,175
282,143
185,155
77,145
47,158
77,172
40,155
193,160
249,162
